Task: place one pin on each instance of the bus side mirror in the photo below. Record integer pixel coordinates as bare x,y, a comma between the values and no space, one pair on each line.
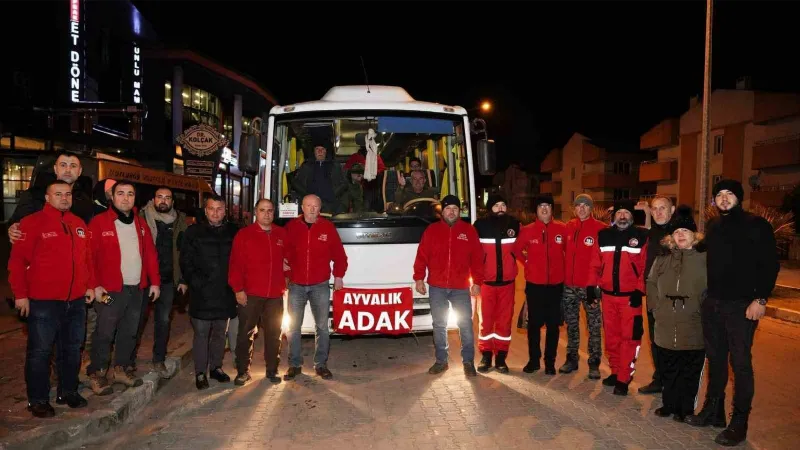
249,153
486,157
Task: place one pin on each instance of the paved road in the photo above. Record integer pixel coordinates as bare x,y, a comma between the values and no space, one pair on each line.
381,397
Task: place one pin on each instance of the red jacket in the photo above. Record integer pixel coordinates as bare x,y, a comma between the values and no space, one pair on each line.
53,260
311,250
106,254
450,255
619,276
256,264
581,243
498,235
540,247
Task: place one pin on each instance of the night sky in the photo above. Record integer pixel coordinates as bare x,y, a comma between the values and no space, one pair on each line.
609,70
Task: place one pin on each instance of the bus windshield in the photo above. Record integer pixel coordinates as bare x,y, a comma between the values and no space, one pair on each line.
421,159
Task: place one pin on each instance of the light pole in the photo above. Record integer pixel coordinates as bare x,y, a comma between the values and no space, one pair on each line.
706,104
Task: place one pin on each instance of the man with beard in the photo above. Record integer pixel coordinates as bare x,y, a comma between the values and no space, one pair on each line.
661,210
617,269
742,269
581,242
497,232
167,226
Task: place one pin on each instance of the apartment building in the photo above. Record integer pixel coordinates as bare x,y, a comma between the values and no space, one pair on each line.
754,138
605,170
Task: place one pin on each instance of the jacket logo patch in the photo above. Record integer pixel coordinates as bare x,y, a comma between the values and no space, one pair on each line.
49,235
80,232
559,239
323,237
142,230
633,242
108,233
511,232
534,241
589,241
279,243
462,237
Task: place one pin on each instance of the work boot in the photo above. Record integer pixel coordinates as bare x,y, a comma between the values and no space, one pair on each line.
712,413
610,380
125,376
324,372
292,372
242,379
620,388
594,371
161,369
98,383
42,410
219,375
500,362
736,431
438,368
272,376
469,369
532,366
549,368
201,381
486,362
570,366
653,388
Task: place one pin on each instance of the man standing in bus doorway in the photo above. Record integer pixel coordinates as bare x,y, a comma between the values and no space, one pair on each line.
450,251
322,177
497,232
581,240
313,243
540,247
661,209
167,226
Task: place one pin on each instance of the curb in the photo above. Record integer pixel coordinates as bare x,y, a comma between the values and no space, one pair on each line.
126,406
783,314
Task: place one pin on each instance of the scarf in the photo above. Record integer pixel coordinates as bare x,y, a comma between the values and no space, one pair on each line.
126,219
151,215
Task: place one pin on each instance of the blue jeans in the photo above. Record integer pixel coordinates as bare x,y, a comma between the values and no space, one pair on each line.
462,305
319,295
50,321
161,311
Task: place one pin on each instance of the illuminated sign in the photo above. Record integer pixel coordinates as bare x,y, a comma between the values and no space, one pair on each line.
137,74
74,51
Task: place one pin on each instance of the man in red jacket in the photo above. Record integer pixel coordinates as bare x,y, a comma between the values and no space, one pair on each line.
617,269
581,242
540,247
312,243
256,275
50,273
125,262
497,233
450,251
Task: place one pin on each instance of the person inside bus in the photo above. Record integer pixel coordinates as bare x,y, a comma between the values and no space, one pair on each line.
353,198
321,177
405,194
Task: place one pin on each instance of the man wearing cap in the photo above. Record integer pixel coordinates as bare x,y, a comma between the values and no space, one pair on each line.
581,242
540,247
742,269
450,252
497,232
617,269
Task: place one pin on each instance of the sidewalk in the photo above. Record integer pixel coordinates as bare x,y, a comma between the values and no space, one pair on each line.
19,429
785,301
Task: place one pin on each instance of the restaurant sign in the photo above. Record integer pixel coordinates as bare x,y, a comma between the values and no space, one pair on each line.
201,146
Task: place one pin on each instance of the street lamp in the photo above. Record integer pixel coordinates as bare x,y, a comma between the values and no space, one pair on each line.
486,106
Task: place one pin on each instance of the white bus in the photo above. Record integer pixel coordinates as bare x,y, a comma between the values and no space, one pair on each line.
381,243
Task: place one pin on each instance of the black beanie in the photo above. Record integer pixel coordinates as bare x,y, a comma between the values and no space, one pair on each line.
729,185
494,199
450,200
543,198
627,205
683,218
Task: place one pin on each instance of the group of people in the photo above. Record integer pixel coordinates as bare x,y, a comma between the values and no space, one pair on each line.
704,296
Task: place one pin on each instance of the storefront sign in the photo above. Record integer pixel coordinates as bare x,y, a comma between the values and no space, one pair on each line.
201,146
370,311
109,169
137,74
75,56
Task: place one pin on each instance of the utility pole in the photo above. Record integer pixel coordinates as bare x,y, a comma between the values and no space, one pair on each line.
706,104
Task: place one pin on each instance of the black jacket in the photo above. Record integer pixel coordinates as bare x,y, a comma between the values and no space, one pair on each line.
204,256
654,249
742,257
32,200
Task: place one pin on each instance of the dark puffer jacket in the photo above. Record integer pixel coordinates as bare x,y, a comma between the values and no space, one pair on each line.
204,258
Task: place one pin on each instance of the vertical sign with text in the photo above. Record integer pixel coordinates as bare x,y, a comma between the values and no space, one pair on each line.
137,73
76,56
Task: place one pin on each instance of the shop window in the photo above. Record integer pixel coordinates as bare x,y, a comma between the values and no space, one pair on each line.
16,178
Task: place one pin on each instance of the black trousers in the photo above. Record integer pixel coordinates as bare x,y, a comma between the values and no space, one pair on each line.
544,308
267,314
651,325
727,331
680,376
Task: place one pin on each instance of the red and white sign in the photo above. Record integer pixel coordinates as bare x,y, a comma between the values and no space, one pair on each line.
370,311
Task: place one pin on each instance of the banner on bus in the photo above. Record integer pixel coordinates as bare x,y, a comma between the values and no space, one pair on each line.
373,311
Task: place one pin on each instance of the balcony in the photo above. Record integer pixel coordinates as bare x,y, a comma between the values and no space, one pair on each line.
603,180
552,162
665,134
769,106
771,196
592,153
550,187
776,153
652,171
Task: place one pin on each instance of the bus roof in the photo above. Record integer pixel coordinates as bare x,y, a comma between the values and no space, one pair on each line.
362,97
